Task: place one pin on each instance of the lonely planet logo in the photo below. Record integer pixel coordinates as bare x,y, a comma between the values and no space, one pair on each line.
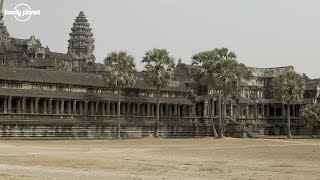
22,12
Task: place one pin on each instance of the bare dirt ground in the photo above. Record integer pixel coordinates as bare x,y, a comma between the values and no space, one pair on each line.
161,159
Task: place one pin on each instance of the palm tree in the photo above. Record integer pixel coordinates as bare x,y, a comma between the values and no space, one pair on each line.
288,88
227,75
159,70
120,70
206,59
311,116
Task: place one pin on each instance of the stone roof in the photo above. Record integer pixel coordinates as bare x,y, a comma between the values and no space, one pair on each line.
88,96
71,78
268,72
60,56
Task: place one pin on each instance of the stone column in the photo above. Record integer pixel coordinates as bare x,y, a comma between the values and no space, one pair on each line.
247,111
256,110
213,108
134,112
262,110
128,109
138,109
50,106
19,105
36,105
108,108
24,105
268,110
179,111
86,108
143,109
45,106
293,111
74,107
103,107
148,109
97,108
62,106
31,106
166,110
113,108
275,110
5,105
205,108
283,107
69,107
57,107
175,113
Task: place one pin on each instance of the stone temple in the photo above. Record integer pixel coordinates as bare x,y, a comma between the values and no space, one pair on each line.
45,94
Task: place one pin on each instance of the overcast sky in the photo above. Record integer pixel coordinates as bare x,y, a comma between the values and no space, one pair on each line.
263,33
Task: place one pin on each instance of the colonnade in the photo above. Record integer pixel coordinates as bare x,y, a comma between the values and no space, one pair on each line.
17,105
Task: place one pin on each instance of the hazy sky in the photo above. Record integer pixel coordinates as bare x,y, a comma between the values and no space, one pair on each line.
263,33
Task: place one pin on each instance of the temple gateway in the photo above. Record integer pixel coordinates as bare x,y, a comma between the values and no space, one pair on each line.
45,94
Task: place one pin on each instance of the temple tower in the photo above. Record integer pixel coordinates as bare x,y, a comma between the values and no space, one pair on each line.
81,44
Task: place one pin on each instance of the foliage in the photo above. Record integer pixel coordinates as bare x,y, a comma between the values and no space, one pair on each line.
311,115
120,69
159,67
288,87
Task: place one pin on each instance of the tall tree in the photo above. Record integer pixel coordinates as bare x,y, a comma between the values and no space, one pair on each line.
227,75
120,72
206,59
311,116
288,88
159,71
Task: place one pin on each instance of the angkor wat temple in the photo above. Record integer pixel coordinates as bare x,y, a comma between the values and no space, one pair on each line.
45,94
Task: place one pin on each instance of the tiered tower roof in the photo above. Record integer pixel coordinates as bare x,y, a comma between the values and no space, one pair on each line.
81,43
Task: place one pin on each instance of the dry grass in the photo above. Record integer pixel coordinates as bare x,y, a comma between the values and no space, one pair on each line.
161,159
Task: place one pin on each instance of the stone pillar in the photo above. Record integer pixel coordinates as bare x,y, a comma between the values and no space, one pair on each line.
62,106
205,108
69,107
247,111
134,112
143,109
97,108
32,106
24,105
138,109
284,113
148,109
275,110
18,105
179,111
57,107
36,105
86,108
5,105
108,108
50,106
45,106
268,110
262,110
293,111
10,105
103,107
175,113
213,108
74,107
113,108
128,109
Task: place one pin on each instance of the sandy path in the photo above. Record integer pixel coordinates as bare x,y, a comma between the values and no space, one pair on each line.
161,159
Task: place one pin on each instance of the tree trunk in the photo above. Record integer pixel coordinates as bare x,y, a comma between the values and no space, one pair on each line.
118,119
211,115
220,116
289,136
156,127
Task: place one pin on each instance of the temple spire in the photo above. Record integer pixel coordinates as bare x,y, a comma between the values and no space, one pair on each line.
81,42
